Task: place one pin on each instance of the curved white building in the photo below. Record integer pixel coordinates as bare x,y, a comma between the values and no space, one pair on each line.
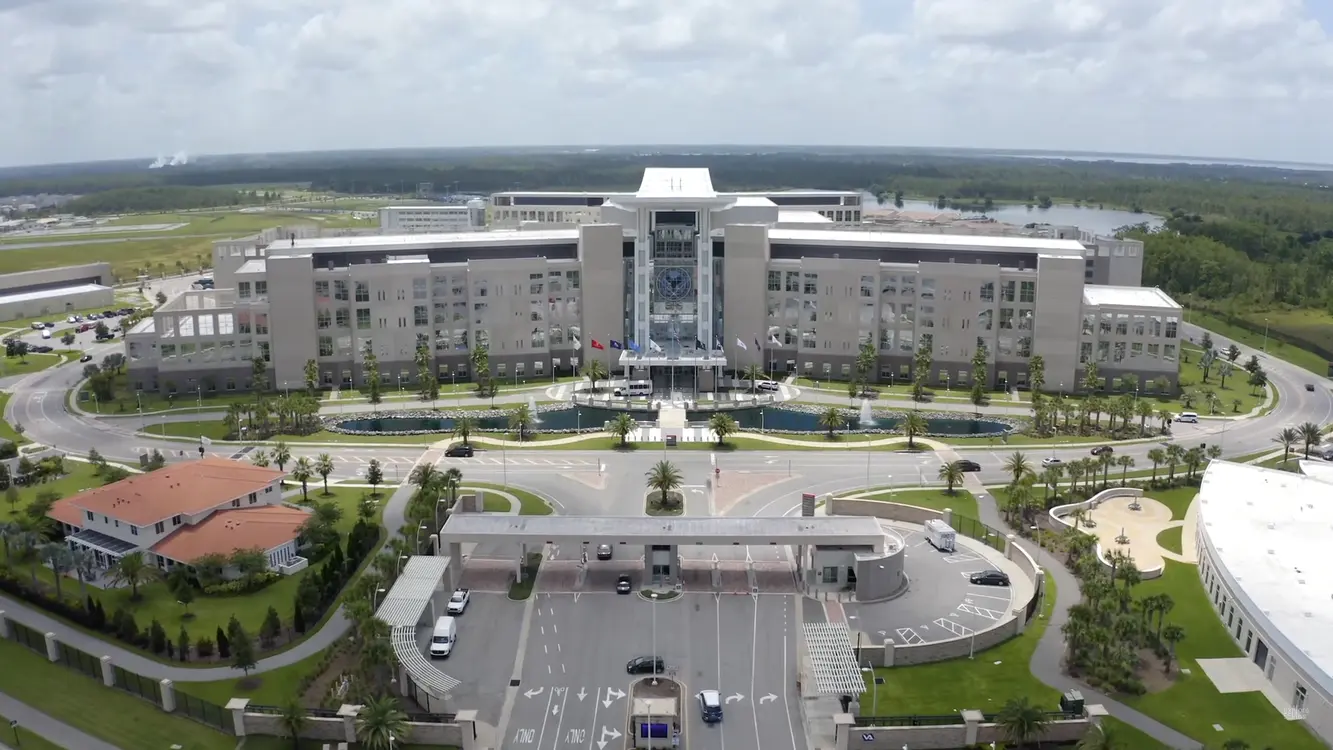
1261,534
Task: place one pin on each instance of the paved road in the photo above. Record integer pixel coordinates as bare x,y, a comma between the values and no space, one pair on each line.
48,728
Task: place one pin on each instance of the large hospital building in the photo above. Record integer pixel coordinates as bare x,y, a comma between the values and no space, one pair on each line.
689,281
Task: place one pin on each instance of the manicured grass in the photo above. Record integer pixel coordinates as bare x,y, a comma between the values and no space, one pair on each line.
983,683
492,503
961,501
272,688
1024,439
905,391
26,739
1193,705
1130,738
207,613
1290,463
127,257
78,477
529,504
106,713
1178,499
1250,457
1169,539
127,401
1295,355
29,363
7,431
213,430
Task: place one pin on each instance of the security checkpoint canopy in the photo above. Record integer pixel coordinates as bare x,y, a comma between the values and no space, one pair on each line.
402,610
679,531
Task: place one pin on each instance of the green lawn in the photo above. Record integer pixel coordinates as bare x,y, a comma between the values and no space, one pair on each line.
492,503
1290,463
26,739
905,391
213,430
207,613
272,688
1169,539
29,363
1192,705
983,683
106,713
126,401
1296,356
1178,499
7,431
961,501
128,258
79,477
529,504
261,742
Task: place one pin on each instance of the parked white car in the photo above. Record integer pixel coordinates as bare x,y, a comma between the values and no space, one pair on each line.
458,602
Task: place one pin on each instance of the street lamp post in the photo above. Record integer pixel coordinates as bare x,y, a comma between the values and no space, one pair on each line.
138,398
398,569
416,538
653,596
375,598
1265,335
874,684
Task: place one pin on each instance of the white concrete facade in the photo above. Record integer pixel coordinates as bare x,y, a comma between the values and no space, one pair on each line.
429,219
1260,537
672,269
53,291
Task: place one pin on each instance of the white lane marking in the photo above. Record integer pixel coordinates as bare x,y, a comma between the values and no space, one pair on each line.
717,605
989,614
754,643
595,707
560,722
545,716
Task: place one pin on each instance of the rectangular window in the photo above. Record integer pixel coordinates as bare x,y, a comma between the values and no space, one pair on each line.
1171,325
323,319
1006,291
243,289
362,291
326,346
322,289
89,513
1027,291
774,281
1104,327
811,283
261,288
987,293
1122,325
1103,351
363,318
1089,322
574,278
342,317
175,520
927,289
340,290
419,289
1135,350
867,286
419,316
793,282
159,527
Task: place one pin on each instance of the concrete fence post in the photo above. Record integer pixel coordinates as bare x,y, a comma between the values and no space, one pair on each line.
888,652
4,626
948,516
842,729
108,672
1009,546
237,708
467,728
347,712
972,719
168,696
52,647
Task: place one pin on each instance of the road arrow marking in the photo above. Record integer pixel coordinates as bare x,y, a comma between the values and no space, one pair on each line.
533,693
614,734
735,697
583,693
555,709
612,695
767,698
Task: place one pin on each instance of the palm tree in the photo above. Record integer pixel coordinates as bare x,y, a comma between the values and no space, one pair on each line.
1143,409
425,477
831,419
594,371
453,481
132,570
754,373
1017,465
281,455
1021,721
84,565
232,421
293,719
913,424
324,467
302,472
721,425
1172,634
379,723
520,419
1310,435
1125,463
58,556
260,458
464,427
1075,471
1174,455
621,427
1286,438
1158,457
951,474
665,478
1105,461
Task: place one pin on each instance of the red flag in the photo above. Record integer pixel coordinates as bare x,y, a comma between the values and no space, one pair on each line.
597,344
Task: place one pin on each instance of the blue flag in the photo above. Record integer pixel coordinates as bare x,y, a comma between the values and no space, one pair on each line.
633,346
616,344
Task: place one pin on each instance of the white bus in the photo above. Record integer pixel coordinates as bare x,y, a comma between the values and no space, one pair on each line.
635,388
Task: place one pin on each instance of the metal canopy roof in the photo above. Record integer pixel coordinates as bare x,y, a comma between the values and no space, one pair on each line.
104,542
832,659
402,609
679,530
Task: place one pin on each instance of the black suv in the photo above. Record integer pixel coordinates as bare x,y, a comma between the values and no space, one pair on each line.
459,450
990,578
1099,450
964,464
624,585
646,665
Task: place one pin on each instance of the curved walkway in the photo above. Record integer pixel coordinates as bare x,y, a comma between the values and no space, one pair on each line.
922,443
315,642
1049,655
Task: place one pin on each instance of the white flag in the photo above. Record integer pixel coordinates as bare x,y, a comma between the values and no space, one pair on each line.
741,344
205,441
654,347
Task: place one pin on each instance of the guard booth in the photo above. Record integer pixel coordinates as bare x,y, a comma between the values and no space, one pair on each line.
655,723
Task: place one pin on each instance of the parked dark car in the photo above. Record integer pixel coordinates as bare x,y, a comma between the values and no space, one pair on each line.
126,311
990,578
43,349
1309,386
646,665
459,450
108,313
623,584
964,464
603,552
1099,450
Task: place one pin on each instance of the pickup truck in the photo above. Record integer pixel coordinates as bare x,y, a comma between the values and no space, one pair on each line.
458,602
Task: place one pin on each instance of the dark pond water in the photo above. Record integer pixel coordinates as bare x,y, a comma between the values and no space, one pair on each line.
749,419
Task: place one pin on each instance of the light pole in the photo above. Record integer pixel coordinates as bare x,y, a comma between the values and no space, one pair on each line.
416,538
398,569
874,684
1265,335
890,488
653,596
138,398
375,598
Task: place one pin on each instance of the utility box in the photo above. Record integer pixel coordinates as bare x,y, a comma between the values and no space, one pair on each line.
1072,702
940,535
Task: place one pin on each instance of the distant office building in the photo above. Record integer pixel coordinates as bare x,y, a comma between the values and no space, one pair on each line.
55,291
673,281
430,219
513,208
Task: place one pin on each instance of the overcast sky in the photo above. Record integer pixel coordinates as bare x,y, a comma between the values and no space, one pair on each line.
97,79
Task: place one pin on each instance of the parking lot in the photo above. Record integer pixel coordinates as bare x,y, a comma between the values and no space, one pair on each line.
940,603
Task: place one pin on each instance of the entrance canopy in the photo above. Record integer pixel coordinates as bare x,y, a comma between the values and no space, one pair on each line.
402,610
681,530
694,358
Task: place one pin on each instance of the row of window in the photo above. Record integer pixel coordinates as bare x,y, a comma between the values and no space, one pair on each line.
443,373
1106,352
1142,325
906,286
220,324
443,286
159,527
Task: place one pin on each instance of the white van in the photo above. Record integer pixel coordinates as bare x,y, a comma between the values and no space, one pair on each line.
46,333
444,637
635,388
940,535
1188,416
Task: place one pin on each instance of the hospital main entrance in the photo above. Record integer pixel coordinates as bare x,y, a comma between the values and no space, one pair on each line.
670,381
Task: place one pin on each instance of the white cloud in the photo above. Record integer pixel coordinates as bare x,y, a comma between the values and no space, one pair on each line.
88,79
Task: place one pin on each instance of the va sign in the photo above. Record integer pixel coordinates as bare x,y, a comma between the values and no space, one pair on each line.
867,736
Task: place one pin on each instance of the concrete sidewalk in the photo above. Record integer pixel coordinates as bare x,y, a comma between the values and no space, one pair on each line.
48,728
